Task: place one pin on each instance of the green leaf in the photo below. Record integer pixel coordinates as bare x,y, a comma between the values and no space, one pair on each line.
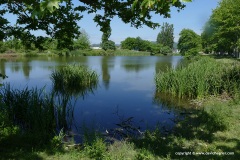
134,4
50,5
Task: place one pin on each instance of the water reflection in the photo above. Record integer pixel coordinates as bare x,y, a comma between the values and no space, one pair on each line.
134,64
107,62
128,85
2,66
169,101
26,67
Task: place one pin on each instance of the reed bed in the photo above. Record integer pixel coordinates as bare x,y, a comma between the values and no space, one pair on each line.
200,78
35,112
74,79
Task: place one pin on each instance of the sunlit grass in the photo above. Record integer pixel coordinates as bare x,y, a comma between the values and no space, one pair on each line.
125,52
200,78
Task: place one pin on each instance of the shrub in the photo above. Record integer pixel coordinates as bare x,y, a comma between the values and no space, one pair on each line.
97,150
3,47
108,45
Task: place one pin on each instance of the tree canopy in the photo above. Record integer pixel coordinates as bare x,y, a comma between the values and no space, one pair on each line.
189,43
135,44
222,31
165,36
58,18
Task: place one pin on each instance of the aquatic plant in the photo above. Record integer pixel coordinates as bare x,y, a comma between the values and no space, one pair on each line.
74,79
34,111
200,78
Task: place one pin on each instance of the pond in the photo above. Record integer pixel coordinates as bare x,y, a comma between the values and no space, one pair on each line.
126,89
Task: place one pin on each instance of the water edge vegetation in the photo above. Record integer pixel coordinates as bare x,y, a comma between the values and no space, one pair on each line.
212,126
74,79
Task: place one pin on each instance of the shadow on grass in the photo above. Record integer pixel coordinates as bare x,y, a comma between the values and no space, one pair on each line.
25,146
235,149
194,134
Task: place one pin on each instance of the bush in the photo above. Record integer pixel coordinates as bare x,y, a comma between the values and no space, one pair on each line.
108,45
97,150
159,49
3,47
136,44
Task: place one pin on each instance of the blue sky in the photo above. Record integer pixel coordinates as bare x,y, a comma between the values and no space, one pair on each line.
194,16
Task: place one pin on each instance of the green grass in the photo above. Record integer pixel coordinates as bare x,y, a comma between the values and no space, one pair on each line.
125,52
200,78
92,52
74,79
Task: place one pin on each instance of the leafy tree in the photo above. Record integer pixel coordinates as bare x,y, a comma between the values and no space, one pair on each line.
13,43
165,37
206,37
189,43
160,49
225,27
58,18
132,11
108,45
3,23
128,43
136,44
60,25
3,47
82,42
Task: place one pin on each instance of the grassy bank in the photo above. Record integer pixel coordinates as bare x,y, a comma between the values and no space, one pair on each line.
212,127
213,130
122,52
89,52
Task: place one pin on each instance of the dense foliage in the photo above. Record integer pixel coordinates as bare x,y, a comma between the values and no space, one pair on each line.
108,45
160,49
135,44
222,31
139,44
82,42
189,43
58,19
165,36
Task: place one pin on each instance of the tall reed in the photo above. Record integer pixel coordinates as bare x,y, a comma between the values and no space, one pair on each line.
74,79
36,112
200,78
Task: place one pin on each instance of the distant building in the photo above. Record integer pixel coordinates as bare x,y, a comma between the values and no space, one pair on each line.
96,47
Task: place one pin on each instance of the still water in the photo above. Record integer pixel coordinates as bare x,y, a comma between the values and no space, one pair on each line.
126,88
